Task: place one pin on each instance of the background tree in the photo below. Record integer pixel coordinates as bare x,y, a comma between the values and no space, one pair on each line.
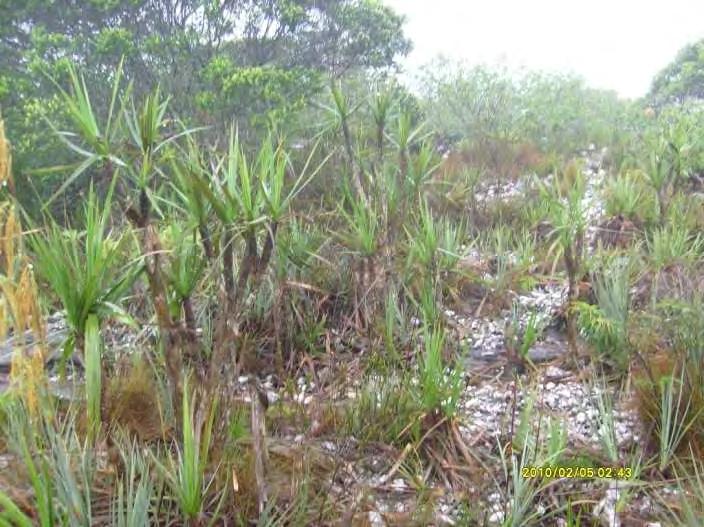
683,78
251,61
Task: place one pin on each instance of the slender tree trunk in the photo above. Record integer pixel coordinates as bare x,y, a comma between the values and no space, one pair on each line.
571,266
171,339
249,262
207,242
268,248
228,273
356,169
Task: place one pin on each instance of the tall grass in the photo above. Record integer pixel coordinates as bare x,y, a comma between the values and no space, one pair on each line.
27,444
606,426
689,509
74,481
60,466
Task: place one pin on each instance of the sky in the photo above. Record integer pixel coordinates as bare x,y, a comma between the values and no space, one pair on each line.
614,44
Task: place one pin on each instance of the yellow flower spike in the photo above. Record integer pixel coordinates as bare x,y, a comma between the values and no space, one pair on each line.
9,248
24,300
4,325
36,319
8,290
5,160
27,378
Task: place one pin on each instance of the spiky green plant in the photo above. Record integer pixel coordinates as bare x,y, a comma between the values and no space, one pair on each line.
605,324
521,492
186,265
525,249
624,195
523,435
191,163
60,466
341,111
300,246
381,105
363,228
666,163
424,241
440,386
186,472
421,167
672,244
675,418
183,273
385,408
452,236
530,335
249,197
131,506
498,243
85,270
557,439
426,302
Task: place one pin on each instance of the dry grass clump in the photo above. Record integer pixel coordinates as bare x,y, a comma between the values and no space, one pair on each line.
617,232
675,281
133,403
502,158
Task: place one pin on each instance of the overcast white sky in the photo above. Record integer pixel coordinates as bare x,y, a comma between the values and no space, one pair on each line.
613,44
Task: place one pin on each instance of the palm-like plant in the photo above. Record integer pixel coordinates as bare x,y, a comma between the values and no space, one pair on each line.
185,269
340,113
98,139
666,163
188,199
567,214
363,228
605,324
363,239
624,195
85,270
248,197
